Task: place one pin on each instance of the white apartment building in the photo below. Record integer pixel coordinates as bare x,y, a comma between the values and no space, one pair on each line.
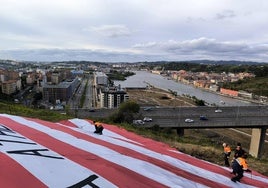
112,99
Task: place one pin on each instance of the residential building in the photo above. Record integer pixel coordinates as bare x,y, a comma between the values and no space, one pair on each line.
110,98
9,87
229,92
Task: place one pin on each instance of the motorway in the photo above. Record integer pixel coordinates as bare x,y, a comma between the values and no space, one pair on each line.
230,117
85,88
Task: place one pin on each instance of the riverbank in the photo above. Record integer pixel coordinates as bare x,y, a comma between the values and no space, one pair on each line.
141,78
220,94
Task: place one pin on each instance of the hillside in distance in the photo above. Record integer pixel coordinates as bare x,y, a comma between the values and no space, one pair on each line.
212,62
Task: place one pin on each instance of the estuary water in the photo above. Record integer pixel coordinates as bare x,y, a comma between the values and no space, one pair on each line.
143,78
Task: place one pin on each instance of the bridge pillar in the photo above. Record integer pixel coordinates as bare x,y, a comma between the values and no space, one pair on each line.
180,131
257,142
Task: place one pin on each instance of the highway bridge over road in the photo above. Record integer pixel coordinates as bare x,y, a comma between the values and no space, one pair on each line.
255,117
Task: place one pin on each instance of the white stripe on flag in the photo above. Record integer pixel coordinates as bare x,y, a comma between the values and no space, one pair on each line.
51,168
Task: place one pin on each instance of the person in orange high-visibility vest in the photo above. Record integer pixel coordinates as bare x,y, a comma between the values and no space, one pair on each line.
98,127
239,165
227,153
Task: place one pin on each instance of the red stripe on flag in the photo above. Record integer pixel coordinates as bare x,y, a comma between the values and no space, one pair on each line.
15,175
65,122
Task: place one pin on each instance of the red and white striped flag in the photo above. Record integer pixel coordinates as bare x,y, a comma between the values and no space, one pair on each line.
36,153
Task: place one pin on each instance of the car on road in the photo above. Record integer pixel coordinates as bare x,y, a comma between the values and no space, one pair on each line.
147,108
138,122
222,102
204,118
218,110
189,120
147,119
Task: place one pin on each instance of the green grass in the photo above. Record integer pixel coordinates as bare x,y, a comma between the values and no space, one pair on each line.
258,85
20,110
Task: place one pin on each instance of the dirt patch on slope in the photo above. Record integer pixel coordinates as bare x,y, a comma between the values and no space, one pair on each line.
157,97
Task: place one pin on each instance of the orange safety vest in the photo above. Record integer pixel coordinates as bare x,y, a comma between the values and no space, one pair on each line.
243,162
227,149
98,124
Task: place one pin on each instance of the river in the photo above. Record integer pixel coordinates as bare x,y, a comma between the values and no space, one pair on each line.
141,78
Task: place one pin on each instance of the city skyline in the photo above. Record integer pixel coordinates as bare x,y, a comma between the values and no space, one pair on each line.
134,30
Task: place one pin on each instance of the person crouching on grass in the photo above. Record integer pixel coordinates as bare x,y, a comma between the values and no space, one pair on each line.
98,127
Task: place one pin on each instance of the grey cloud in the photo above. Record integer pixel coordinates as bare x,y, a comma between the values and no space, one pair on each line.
201,44
204,46
75,55
111,30
225,14
166,51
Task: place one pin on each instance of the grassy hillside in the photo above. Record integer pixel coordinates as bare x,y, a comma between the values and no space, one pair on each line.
258,85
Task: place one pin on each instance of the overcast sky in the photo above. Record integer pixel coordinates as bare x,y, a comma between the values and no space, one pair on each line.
134,30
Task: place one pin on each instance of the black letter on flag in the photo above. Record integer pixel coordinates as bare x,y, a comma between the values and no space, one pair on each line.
4,129
33,152
17,142
87,181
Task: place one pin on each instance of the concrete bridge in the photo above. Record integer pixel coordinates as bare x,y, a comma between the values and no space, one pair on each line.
255,117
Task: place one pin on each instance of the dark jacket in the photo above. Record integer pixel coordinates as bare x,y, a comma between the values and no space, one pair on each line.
239,165
239,152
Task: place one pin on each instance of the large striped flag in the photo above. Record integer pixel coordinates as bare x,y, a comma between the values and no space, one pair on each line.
36,153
